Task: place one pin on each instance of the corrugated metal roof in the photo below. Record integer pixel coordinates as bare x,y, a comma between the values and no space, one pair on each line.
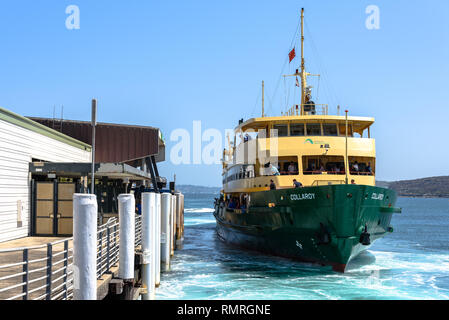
114,142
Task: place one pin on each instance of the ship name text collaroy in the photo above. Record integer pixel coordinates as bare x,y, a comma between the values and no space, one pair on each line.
303,196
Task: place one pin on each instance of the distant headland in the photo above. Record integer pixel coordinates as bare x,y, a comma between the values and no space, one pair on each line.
432,187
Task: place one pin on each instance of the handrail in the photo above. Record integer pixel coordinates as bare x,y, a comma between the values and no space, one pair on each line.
51,277
327,182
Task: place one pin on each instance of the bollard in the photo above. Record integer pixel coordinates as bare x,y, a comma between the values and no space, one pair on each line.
165,230
179,222
182,219
148,223
157,242
172,225
127,221
84,247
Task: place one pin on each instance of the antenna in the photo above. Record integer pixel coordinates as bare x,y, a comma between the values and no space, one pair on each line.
62,115
54,114
263,98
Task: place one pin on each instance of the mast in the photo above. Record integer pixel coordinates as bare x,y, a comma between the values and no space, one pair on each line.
303,73
303,69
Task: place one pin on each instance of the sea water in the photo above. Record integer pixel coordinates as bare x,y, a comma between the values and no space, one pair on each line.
410,263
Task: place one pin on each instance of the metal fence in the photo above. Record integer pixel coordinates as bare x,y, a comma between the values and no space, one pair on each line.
45,272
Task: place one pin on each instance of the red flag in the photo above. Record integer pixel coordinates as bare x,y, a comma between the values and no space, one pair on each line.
292,55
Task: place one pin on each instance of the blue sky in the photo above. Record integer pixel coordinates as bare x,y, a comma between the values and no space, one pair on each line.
168,63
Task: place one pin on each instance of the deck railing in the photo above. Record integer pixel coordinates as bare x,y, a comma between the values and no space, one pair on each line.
327,182
45,272
319,109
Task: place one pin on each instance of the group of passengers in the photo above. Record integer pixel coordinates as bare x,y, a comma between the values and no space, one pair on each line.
235,203
312,169
355,169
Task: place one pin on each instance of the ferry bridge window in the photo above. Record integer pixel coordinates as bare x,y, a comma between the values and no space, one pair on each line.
323,165
330,129
313,129
282,130
297,129
364,166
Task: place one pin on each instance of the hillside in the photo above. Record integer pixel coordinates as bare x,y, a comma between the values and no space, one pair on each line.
425,187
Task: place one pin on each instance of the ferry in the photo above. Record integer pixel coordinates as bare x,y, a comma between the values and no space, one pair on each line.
302,185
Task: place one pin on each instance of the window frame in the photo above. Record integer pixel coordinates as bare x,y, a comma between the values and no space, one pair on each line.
281,124
314,135
336,129
297,124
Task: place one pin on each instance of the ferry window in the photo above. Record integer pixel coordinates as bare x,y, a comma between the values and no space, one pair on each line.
364,166
330,129
288,165
282,129
323,164
313,129
297,129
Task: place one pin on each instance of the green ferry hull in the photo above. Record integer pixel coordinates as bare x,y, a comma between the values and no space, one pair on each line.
322,224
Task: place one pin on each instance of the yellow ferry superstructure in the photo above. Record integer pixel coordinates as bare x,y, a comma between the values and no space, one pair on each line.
309,141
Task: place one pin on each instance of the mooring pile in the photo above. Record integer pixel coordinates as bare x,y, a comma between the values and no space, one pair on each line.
139,267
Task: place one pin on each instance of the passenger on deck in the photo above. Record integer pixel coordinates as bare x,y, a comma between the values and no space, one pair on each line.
272,185
232,204
368,168
246,138
353,181
138,206
356,167
237,200
244,203
274,171
297,184
322,169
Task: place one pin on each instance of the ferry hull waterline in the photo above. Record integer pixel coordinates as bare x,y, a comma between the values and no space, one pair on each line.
323,224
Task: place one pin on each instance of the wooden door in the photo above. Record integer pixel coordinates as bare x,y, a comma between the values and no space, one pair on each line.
65,209
45,208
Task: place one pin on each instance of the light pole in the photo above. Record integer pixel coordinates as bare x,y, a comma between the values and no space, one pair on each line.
346,147
94,123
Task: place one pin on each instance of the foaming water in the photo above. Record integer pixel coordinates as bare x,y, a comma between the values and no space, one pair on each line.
411,263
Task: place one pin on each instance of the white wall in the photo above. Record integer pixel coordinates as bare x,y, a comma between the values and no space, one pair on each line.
17,147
